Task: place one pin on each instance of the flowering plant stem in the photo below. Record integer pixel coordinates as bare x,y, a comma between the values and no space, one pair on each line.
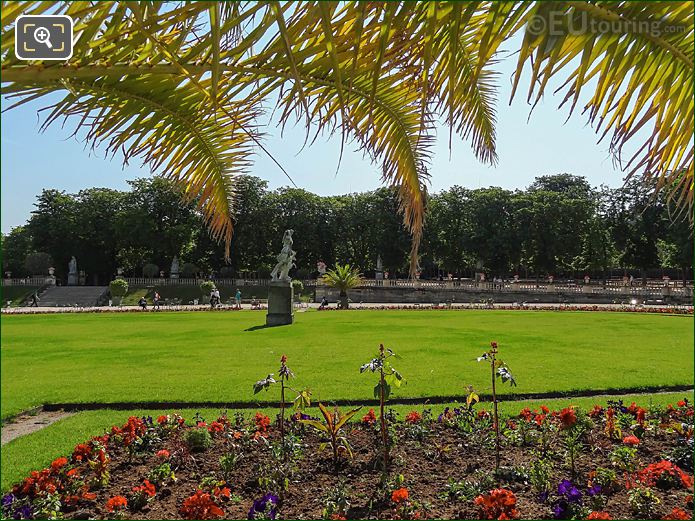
382,418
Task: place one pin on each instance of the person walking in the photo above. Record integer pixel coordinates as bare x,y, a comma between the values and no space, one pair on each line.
216,296
34,300
157,298
237,298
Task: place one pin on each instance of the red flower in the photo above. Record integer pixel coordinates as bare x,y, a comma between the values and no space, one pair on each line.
500,503
146,488
545,409
201,506
599,515
369,418
58,464
525,414
682,403
81,452
338,517
483,414
164,454
678,513
161,420
567,417
262,422
413,417
116,503
664,475
222,492
400,495
631,440
216,427
596,411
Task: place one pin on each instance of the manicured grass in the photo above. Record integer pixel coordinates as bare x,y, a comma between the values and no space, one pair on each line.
204,356
37,450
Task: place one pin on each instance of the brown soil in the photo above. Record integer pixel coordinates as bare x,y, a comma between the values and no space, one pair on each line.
424,474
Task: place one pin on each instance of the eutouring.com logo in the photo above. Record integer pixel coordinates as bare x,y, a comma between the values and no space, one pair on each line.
560,23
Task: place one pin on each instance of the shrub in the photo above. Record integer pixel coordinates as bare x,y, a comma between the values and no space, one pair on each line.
297,286
198,440
189,269
150,270
161,474
664,475
118,287
207,286
38,263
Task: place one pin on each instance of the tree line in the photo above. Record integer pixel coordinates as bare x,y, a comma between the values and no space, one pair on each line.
558,225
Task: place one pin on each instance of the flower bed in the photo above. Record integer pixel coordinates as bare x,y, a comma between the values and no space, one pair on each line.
608,463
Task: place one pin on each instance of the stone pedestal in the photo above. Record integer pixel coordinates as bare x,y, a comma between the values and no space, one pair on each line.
73,279
280,296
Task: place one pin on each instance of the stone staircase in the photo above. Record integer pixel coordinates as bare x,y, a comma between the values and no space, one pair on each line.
70,296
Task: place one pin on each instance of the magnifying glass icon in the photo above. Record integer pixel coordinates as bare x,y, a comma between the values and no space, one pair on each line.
43,35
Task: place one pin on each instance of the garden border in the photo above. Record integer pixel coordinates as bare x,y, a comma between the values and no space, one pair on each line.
434,400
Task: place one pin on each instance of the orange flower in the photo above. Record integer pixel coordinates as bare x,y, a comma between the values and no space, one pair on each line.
678,513
413,417
400,495
631,440
146,487
161,420
545,409
369,418
500,503
599,515
116,503
164,454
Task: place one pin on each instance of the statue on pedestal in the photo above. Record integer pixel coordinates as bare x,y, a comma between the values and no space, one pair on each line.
285,259
280,291
174,272
73,277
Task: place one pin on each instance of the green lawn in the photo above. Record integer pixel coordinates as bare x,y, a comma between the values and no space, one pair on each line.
35,451
199,356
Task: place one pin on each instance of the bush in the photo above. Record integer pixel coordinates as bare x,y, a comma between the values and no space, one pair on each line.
189,269
198,440
207,286
38,263
118,287
150,270
297,286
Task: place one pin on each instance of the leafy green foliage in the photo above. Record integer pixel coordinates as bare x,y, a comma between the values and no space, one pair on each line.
118,287
332,425
198,440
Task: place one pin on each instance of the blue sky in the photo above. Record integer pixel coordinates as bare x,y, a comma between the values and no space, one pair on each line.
545,144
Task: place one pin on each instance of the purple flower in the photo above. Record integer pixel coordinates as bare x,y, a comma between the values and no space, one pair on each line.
594,490
564,486
24,512
7,500
264,508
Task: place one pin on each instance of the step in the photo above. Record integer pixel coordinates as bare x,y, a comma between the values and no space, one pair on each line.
71,296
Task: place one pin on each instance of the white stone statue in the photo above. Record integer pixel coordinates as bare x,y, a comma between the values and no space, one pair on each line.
285,259
379,265
174,271
72,266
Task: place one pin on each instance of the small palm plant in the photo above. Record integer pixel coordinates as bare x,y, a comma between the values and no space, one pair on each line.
343,278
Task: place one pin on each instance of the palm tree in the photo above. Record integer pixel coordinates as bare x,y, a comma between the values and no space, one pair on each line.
343,278
181,85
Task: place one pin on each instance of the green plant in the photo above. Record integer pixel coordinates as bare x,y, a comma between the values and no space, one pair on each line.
343,278
465,490
302,400
334,422
498,369
336,501
228,463
572,443
198,439
624,458
297,286
160,474
540,474
388,376
118,287
605,478
643,502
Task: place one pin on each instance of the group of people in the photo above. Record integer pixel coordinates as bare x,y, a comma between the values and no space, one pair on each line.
215,298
